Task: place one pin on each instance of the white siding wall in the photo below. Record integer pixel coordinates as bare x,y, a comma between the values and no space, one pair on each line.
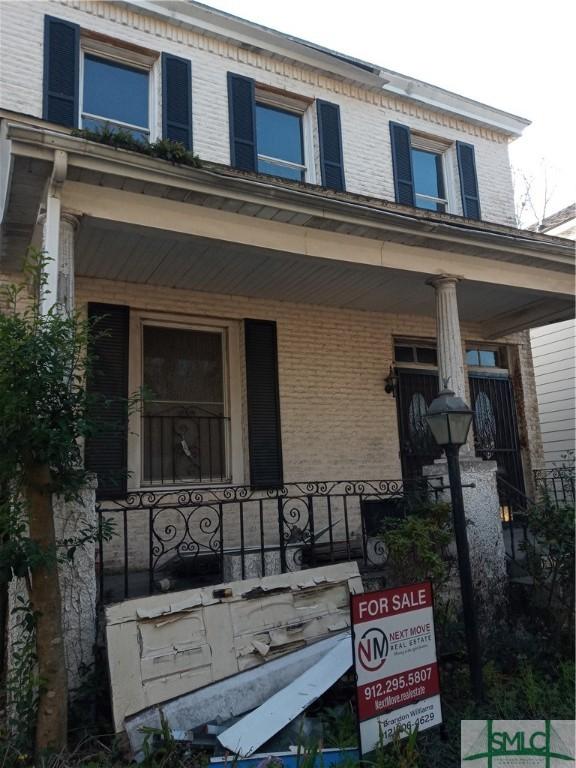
365,114
554,357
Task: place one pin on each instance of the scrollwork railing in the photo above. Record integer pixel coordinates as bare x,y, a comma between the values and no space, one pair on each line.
178,538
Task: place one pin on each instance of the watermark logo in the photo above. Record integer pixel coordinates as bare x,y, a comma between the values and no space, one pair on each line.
517,743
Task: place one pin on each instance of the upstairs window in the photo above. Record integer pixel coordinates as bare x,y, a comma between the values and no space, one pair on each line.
429,187
279,142
116,94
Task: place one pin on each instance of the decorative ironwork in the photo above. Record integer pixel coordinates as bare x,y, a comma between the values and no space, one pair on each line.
484,426
187,537
556,485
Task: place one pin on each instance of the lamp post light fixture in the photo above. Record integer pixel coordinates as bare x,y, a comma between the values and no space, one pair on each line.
449,419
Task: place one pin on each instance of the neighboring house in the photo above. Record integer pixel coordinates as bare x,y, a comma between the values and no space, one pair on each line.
554,355
349,235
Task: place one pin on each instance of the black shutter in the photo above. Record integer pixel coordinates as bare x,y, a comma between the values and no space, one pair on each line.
177,99
264,432
106,452
242,120
61,71
402,163
330,135
468,180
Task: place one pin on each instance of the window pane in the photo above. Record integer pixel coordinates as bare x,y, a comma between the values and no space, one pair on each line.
184,426
427,168
183,365
279,134
472,357
404,354
427,355
430,205
488,358
115,91
280,170
96,125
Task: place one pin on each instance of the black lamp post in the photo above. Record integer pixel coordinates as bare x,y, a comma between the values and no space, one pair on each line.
449,419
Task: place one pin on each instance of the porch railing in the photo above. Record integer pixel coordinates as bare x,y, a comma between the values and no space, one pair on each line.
556,485
177,539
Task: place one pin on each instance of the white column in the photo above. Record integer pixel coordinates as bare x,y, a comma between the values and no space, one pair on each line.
68,226
449,339
58,237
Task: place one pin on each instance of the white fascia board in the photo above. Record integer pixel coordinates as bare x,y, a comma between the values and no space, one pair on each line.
201,18
250,35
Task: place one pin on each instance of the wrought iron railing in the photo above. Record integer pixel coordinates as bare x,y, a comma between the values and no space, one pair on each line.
177,539
556,486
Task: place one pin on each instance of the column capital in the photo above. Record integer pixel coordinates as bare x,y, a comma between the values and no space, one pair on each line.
66,217
443,281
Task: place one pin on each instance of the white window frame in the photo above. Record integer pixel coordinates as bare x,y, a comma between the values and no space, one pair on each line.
444,150
232,394
117,55
300,107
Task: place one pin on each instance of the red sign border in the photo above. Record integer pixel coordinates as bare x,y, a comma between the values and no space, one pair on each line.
353,599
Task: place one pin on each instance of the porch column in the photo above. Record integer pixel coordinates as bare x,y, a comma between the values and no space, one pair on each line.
67,231
58,238
449,339
480,491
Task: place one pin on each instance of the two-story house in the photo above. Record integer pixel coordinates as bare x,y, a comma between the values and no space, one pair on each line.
290,304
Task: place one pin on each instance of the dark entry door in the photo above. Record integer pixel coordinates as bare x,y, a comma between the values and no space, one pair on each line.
416,390
496,433
495,427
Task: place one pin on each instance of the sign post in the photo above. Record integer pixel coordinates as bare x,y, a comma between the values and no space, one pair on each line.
397,683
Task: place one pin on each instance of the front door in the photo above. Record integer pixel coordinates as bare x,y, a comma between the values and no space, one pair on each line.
495,427
496,433
416,390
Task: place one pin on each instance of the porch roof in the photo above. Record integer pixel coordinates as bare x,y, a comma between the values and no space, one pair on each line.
363,251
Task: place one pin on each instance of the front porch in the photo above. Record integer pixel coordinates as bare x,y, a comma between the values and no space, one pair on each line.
270,321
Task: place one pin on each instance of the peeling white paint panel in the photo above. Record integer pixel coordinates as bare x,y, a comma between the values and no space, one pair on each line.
164,646
244,737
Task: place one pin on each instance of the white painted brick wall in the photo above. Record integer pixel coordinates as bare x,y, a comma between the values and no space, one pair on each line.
364,114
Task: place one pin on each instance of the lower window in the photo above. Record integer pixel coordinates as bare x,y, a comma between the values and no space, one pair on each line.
185,435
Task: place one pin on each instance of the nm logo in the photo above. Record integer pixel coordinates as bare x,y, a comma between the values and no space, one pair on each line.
373,649
517,743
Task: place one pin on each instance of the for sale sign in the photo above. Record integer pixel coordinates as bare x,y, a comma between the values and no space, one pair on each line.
395,662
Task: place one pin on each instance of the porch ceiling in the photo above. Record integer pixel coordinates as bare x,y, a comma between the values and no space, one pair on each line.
149,256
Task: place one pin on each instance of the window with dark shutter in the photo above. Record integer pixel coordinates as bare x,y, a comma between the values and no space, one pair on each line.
106,452
177,99
330,134
61,71
402,163
264,430
468,180
242,120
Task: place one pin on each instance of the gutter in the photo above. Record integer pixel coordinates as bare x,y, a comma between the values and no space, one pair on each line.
213,180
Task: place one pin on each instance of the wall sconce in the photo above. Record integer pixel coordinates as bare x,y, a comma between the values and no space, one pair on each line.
391,382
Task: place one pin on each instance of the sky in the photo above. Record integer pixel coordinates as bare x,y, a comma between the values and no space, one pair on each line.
517,55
